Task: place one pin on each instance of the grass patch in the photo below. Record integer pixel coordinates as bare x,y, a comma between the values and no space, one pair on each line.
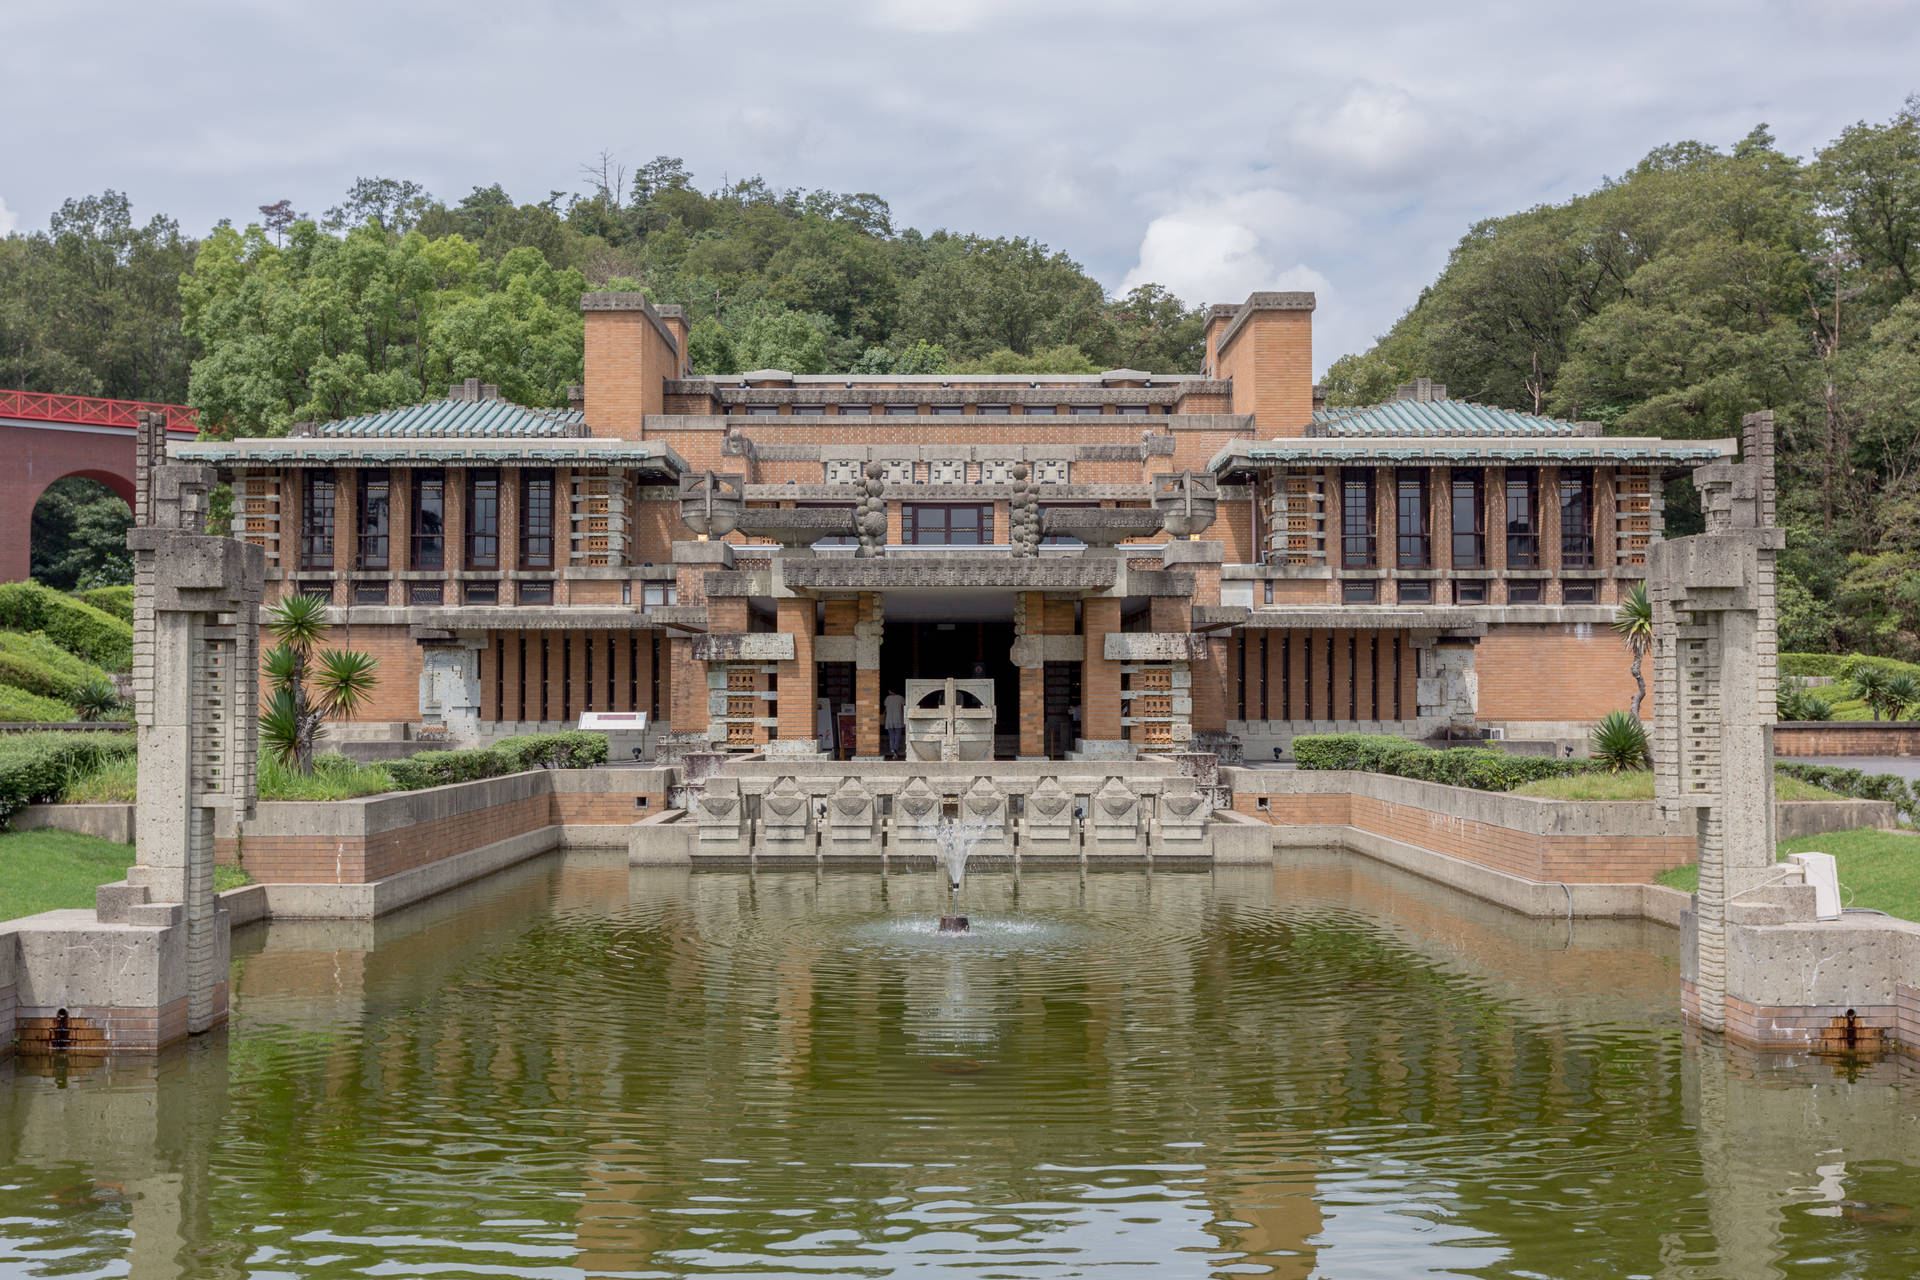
1639,786
51,870
334,777
1878,869
110,783
17,704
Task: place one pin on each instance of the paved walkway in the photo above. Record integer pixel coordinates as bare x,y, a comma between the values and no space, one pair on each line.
1907,767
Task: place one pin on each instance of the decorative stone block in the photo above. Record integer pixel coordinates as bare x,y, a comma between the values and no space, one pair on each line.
852,826
1113,821
1049,828
786,827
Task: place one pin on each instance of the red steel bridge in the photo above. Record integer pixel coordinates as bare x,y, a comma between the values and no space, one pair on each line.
46,437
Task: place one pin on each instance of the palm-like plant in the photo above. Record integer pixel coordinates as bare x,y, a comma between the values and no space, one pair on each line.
1620,743
1869,685
1633,620
98,701
308,686
1902,692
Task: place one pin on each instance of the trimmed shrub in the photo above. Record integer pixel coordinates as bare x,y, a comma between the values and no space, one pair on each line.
34,662
1904,796
1476,767
1836,664
74,625
117,601
18,704
571,750
38,766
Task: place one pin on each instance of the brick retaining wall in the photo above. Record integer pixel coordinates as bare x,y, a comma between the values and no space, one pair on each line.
1847,738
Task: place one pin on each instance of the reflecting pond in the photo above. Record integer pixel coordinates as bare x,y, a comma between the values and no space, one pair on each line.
1327,1068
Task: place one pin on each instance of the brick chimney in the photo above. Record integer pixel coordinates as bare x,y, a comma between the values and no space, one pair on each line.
1266,348
630,354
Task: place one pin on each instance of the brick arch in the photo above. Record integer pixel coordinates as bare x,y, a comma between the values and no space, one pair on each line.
32,458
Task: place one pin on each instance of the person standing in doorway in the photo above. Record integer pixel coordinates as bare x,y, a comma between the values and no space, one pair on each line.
896,722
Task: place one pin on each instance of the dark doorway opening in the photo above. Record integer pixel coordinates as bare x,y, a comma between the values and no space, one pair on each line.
1062,682
942,650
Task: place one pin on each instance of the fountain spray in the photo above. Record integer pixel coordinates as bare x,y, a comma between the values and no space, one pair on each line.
956,842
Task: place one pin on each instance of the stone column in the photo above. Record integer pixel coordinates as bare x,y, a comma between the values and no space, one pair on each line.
869,706
1029,619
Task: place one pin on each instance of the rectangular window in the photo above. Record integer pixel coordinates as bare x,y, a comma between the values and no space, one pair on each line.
996,408
1358,593
926,525
536,593
483,519
809,410
369,593
855,410
1411,516
321,590
374,492
1576,518
1416,592
657,595
1527,592
903,410
1037,408
1469,522
1086,410
1131,410
536,520
1470,593
762,410
425,593
948,410
483,593
1579,592
1356,519
316,520
429,515
1523,529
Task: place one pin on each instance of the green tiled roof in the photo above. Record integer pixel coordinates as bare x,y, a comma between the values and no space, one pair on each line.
455,418
1439,418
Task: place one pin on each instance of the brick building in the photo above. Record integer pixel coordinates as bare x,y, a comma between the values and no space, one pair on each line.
1130,558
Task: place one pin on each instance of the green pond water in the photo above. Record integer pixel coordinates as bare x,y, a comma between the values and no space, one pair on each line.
1325,1069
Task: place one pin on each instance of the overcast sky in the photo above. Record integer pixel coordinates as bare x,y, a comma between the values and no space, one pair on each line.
1216,148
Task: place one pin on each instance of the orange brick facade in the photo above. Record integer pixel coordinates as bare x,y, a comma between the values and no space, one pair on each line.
561,569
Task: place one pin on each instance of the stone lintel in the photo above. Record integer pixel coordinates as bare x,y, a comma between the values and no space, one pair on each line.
1155,646
716,553
743,646
931,572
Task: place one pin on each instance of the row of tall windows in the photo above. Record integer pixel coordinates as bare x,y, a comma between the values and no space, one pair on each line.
1413,542
427,512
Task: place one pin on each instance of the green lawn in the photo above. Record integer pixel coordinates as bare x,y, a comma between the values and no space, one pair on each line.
1639,786
1879,869
48,870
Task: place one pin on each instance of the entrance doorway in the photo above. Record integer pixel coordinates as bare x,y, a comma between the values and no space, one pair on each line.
962,650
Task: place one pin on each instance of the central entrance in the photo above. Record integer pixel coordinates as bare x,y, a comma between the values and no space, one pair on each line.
964,635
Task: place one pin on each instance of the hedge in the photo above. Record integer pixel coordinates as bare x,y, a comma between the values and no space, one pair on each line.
33,662
1476,767
37,766
74,625
117,601
573,750
19,705
1835,664
1904,796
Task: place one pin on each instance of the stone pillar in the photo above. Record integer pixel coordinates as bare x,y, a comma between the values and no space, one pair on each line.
869,706
1029,618
1713,696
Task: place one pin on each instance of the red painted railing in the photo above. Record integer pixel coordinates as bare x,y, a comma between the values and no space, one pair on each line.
92,411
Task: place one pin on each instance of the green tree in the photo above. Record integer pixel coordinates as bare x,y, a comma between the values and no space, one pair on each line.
1633,622
80,536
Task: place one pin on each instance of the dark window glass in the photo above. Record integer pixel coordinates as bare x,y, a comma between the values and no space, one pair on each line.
1523,532
316,520
1358,592
1469,593
1038,408
996,408
1416,592
1527,592
947,410
1576,518
1411,518
374,492
762,410
809,410
425,593
369,593
1086,410
483,593
536,593
536,521
902,410
1130,410
429,519
855,410
321,590
1469,523
483,519
924,525
1356,520
1578,592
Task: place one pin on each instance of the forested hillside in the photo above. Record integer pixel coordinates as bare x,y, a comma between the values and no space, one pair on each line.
1703,284
1700,286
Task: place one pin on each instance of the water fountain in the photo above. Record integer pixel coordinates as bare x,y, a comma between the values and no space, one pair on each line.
956,842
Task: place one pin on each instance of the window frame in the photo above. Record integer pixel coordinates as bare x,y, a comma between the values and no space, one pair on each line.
1522,506
912,518
483,531
530,535
1412,550
366,528
1576,545
426,518
1358,541
317,535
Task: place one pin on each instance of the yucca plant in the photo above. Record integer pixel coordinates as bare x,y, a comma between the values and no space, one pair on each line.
308,686
1869,685
1902,693
1620,743
98,701
1633,620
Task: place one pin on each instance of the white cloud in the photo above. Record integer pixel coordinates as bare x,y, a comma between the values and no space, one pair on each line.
942,17
9,220
1381,134
1221,250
